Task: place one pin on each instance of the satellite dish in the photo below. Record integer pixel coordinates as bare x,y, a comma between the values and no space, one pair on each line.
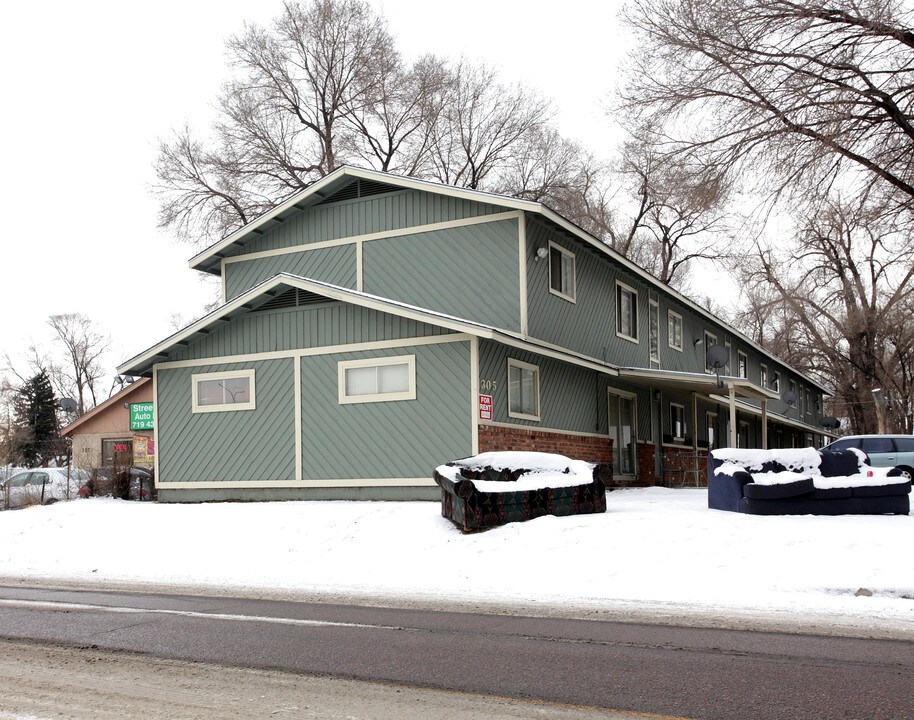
718,357
68,405
829,422
790,397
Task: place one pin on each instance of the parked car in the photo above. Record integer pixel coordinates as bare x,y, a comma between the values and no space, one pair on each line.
42,486
882,450
108,480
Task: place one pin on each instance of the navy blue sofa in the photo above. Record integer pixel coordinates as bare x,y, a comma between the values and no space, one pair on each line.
804,481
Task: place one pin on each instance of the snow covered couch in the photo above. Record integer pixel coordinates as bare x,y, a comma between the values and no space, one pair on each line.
495,488
804,481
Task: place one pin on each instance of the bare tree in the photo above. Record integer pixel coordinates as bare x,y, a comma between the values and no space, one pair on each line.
481,127
82,369
677,214
837,303
787,94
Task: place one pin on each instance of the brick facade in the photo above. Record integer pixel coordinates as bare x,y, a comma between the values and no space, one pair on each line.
581,447
646,476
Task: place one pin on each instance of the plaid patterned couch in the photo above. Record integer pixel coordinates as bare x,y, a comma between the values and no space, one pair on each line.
472,509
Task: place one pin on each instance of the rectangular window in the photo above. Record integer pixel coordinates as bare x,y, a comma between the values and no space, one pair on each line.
763,375
742,362
654,331
776,381
561,272
712,430
377,379
223,391
674,324
626,312
677,422
710,341
523,390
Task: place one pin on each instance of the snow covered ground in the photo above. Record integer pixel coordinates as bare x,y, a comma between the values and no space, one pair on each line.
654,550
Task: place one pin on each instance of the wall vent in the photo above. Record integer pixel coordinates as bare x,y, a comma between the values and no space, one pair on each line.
359,188
293,297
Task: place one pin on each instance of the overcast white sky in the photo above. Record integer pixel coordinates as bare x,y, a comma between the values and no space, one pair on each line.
90,87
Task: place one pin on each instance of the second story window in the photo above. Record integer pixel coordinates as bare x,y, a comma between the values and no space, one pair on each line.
674,321
561,272
776,382
626,312
742,363
654,331
763,375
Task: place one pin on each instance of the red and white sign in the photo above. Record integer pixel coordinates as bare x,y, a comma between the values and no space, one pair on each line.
485,407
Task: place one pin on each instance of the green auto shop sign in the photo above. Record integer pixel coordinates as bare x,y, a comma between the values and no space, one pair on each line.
141,416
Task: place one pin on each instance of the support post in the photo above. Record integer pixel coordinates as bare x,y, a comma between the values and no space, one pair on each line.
764,424
732,416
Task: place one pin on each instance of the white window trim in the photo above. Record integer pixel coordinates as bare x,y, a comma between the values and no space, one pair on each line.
654,312
197,378
619,333
670,314
536,374
678,438
740,355
574,273
763,375
709,334
776,381
344,365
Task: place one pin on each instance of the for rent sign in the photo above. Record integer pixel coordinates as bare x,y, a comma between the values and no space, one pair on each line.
141,416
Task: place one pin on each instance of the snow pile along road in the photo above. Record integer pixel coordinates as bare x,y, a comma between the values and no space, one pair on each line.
653,547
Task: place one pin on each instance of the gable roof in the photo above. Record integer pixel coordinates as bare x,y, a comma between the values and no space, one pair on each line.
208,260
112,401
266,291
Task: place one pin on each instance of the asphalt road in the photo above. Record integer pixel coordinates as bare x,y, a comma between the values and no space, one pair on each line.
629,667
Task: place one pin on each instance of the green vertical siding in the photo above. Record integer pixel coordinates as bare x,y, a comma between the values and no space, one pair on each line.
387,439
587,325
469,272
305,327
570,396
380,213
254,444
336,265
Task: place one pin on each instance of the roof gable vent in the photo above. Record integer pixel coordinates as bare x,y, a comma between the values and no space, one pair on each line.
359,188
293,297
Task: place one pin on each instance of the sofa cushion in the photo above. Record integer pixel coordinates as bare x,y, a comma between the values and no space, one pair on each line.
830,494
871,491
839,463
779,491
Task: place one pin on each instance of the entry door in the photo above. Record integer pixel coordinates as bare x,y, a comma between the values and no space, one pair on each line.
622,429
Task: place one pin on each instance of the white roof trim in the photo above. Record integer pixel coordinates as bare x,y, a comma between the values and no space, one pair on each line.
493,199
373,302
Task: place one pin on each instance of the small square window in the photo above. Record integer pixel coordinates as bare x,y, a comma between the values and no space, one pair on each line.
674,323
523,390
561,272
223,391
626,312
377,379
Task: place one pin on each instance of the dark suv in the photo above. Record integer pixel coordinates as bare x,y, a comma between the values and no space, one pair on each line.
882,450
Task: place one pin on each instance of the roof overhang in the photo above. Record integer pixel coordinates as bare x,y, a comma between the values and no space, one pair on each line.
700,383
257,296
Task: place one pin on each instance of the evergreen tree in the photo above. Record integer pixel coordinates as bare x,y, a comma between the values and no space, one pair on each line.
35,409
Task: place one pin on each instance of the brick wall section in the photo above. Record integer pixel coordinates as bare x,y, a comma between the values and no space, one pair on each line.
591,449
646,474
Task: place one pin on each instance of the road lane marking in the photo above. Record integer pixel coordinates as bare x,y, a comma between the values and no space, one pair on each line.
85,607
